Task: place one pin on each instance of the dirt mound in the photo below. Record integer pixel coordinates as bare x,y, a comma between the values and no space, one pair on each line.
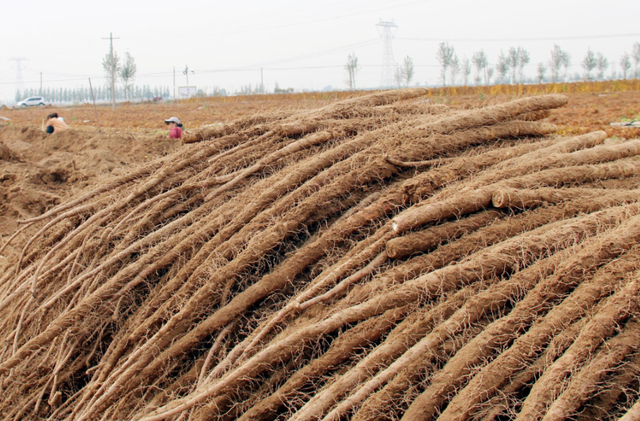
5,153
371,259
37,171
35,144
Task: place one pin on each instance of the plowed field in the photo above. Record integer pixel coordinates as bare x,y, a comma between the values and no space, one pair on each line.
585,111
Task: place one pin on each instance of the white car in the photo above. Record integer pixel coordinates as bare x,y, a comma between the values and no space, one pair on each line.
34,100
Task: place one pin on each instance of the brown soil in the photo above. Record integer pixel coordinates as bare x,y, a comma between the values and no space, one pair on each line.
136,117
585,112
39,171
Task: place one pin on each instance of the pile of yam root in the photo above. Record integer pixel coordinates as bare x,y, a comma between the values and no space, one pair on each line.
379,258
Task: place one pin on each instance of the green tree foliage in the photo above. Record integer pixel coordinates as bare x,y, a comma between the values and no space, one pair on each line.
625,65
542,69
454,68
589,63
408,70
517,58
111,68
398,76
480,63
128,74
444,55
558,60
404,73
466,71
603,64
352,68
503,66
635,55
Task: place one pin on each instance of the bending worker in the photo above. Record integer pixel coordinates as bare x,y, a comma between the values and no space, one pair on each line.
55,124
175,126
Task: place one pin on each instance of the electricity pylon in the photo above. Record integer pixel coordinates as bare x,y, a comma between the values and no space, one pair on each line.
387,33
19,80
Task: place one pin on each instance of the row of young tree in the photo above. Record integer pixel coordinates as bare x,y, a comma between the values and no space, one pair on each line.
117,71
102,94
120,75
134,93
509,68
403,73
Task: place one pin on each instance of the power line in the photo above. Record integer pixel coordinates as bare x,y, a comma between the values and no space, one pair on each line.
251,67
240,25
519,39
6,72
59,53
265,65
357,11
81,77
307,67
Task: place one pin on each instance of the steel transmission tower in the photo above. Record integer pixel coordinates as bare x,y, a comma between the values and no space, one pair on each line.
19,81
388,32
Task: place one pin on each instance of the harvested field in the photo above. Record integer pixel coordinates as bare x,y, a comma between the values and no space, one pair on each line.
142,117
592,106
375,258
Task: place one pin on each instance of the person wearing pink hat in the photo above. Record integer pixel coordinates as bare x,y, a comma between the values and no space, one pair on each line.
175,128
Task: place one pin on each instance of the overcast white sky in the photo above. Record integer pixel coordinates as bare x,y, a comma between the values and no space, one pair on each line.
299,44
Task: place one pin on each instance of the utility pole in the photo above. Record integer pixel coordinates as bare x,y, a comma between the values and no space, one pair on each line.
95,110
387,52
113,73
186,72
261,81
174,83
19,81
40,93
